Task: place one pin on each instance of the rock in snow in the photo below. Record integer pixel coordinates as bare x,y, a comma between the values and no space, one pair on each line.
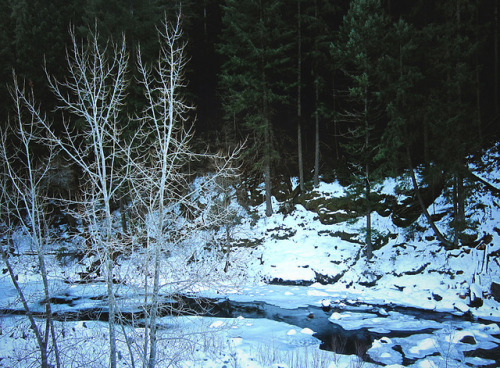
476,296
495,291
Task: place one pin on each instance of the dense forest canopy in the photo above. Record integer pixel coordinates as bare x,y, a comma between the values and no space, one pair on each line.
375,77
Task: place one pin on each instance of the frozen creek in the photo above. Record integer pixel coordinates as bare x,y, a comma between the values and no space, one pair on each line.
380,334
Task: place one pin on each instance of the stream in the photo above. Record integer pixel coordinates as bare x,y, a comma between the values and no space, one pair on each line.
377,334
390,323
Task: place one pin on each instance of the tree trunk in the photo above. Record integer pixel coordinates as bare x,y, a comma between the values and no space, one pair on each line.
478,82
156,292
316,145
267,149
50,330
39,338
123,217
110,288
205,22
267,172
458,206
267,162
495,56
416,189
300,154
316,115
335,123
369,247
299,97
267,126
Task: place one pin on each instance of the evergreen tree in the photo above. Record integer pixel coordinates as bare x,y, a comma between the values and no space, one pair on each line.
358,51
430,77
299,96
404,95
255,44
317,18
452,100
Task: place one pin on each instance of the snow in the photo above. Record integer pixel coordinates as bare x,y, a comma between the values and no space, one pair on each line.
320,266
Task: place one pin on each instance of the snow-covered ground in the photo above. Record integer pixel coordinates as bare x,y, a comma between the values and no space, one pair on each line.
292,261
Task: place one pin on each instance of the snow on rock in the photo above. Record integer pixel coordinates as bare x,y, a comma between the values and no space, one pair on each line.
410,268
382,351
423,347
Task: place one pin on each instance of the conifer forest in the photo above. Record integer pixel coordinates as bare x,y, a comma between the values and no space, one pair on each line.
355,82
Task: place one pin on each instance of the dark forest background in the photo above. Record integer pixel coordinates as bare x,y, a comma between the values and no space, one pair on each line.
316,87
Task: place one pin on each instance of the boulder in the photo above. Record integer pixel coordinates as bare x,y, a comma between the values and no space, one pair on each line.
476,296
468,339
437,297
495,291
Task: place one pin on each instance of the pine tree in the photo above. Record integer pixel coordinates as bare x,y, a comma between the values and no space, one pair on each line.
430,79
318,35
255,44
299,96
454,134
358,51
404,99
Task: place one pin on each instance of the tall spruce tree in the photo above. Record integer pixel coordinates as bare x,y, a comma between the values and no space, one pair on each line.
454,121
299,96
404,95
430,75
318,33
255,43
358,52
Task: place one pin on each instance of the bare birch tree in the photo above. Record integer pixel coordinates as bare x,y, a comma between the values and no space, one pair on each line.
153,164
161,169
94,93
23,199
162,179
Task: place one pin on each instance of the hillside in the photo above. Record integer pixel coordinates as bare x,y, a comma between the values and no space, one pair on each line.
298,273
322,241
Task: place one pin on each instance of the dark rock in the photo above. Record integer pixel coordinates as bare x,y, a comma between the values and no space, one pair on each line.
495,291
437,297
326,308
476,302
469,339
372,282
326,279
280,281
469,240
286,208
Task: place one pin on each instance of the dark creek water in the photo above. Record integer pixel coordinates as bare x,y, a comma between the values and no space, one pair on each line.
333,336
